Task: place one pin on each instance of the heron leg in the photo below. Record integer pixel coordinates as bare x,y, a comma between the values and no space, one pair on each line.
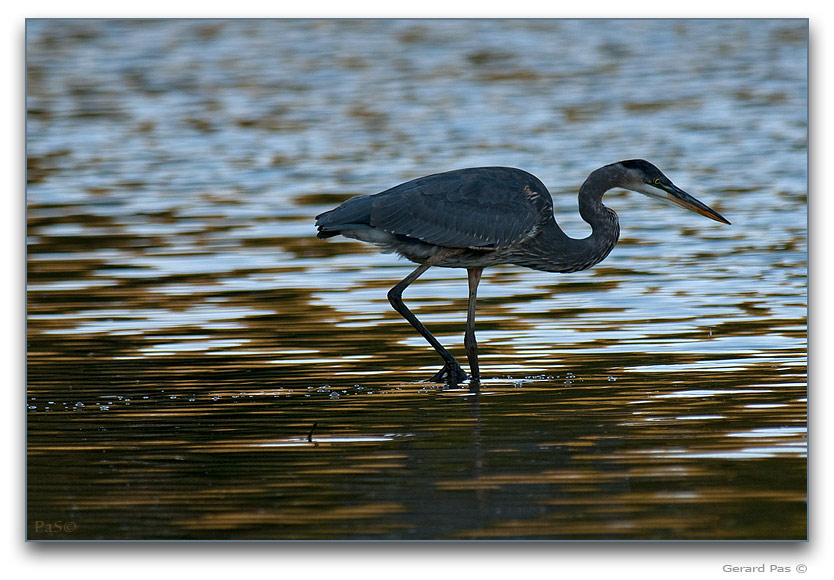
451,373
469,338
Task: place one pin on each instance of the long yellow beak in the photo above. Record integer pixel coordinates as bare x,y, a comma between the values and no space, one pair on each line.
683,199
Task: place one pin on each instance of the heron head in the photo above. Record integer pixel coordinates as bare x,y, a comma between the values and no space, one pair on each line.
645,178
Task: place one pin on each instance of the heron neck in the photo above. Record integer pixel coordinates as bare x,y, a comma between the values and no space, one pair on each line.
605,227
552,250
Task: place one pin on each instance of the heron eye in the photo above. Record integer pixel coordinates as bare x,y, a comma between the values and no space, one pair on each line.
657,181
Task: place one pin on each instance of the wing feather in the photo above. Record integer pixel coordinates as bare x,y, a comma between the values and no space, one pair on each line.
486,207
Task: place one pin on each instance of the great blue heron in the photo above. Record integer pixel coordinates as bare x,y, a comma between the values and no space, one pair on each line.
479,217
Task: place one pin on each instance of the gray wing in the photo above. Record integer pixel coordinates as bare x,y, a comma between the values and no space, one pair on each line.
355,213
484,207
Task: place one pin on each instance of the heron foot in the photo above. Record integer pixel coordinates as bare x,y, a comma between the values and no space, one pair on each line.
451,374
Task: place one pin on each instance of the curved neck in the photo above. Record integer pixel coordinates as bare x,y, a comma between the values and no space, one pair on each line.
591,207
553,251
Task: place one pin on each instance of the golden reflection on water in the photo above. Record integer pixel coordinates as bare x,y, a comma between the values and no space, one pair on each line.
543,459
200,366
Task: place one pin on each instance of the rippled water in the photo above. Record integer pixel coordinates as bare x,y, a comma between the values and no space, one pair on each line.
200,366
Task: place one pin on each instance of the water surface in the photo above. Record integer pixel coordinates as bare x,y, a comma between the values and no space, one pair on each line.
200,366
